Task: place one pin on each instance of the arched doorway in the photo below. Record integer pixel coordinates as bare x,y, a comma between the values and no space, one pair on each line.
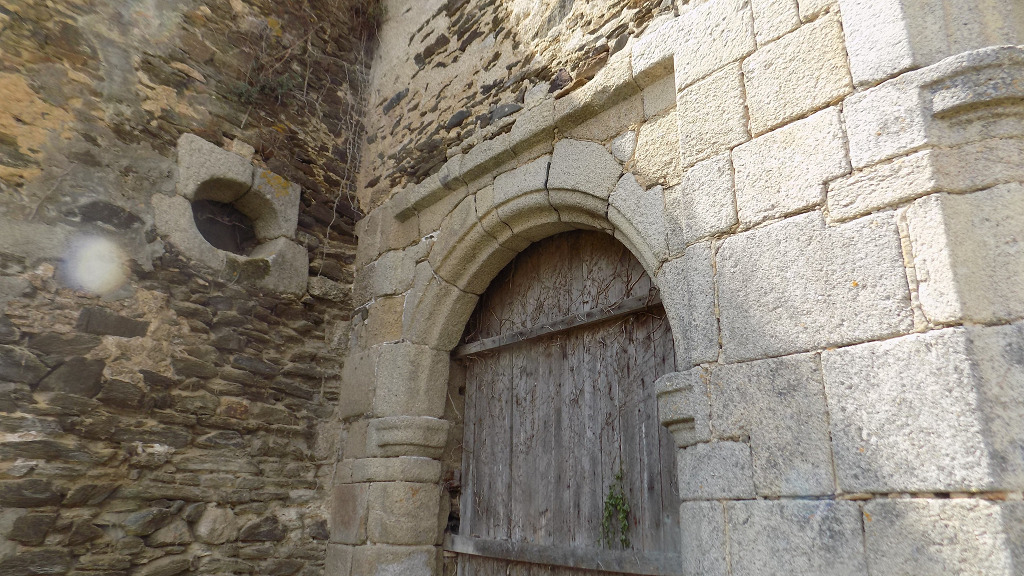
565,467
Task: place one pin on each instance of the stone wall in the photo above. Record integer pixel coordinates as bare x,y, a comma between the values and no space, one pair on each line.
451,74
834,228
154,418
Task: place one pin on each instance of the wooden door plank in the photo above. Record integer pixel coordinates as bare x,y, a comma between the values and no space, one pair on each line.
630,561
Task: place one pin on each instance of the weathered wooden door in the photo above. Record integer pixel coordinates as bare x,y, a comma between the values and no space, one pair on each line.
566,469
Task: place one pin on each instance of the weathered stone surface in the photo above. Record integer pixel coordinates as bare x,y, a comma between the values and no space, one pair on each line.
703,538
715,471
925,536
406,436
464,254
639,215
96,320
807,538
348,513
583,166
712,116
36,562
146,522
435,311
403,469
18,365
272,204
323,287
209,172
28,493
800,73
45,450
785,171
929,412
289,266
217,525
773,19
708,37
121,394
338,560
702,205
687,287
967,168
53,344
83,531
166,566
967,256
886,38
78,376
31,529
89,494
411,380
624,146
403,513
265,529
796,285
9,333
779,404
386,560
657,158
659,97
683,406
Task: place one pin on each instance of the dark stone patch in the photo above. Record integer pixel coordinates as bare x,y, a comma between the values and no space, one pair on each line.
79,376
157,380
48,561
265,529
561,79
11,154
83,531
31,529
192,368
504,110
18,365
96,320
254,365
9,333
44,450
122,394
13,396
228,340
145,522
395,100
110,214
224,226
89,494
14,424
292,388
194,311
28,493
319,531
53,344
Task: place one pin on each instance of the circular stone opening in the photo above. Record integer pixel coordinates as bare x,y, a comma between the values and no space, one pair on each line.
224,226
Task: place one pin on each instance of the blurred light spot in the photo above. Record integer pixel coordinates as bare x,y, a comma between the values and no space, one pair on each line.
96,264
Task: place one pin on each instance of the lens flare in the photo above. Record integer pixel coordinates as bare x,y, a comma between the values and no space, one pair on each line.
96,264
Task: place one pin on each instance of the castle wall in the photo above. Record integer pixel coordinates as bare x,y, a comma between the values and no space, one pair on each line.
831,210
157,417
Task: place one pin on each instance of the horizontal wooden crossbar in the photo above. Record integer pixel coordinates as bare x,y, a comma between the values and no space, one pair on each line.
629,562
624,308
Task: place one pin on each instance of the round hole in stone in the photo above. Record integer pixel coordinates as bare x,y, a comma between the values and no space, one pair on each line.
224,226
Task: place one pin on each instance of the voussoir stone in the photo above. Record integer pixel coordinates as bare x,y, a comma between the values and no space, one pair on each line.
209,172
